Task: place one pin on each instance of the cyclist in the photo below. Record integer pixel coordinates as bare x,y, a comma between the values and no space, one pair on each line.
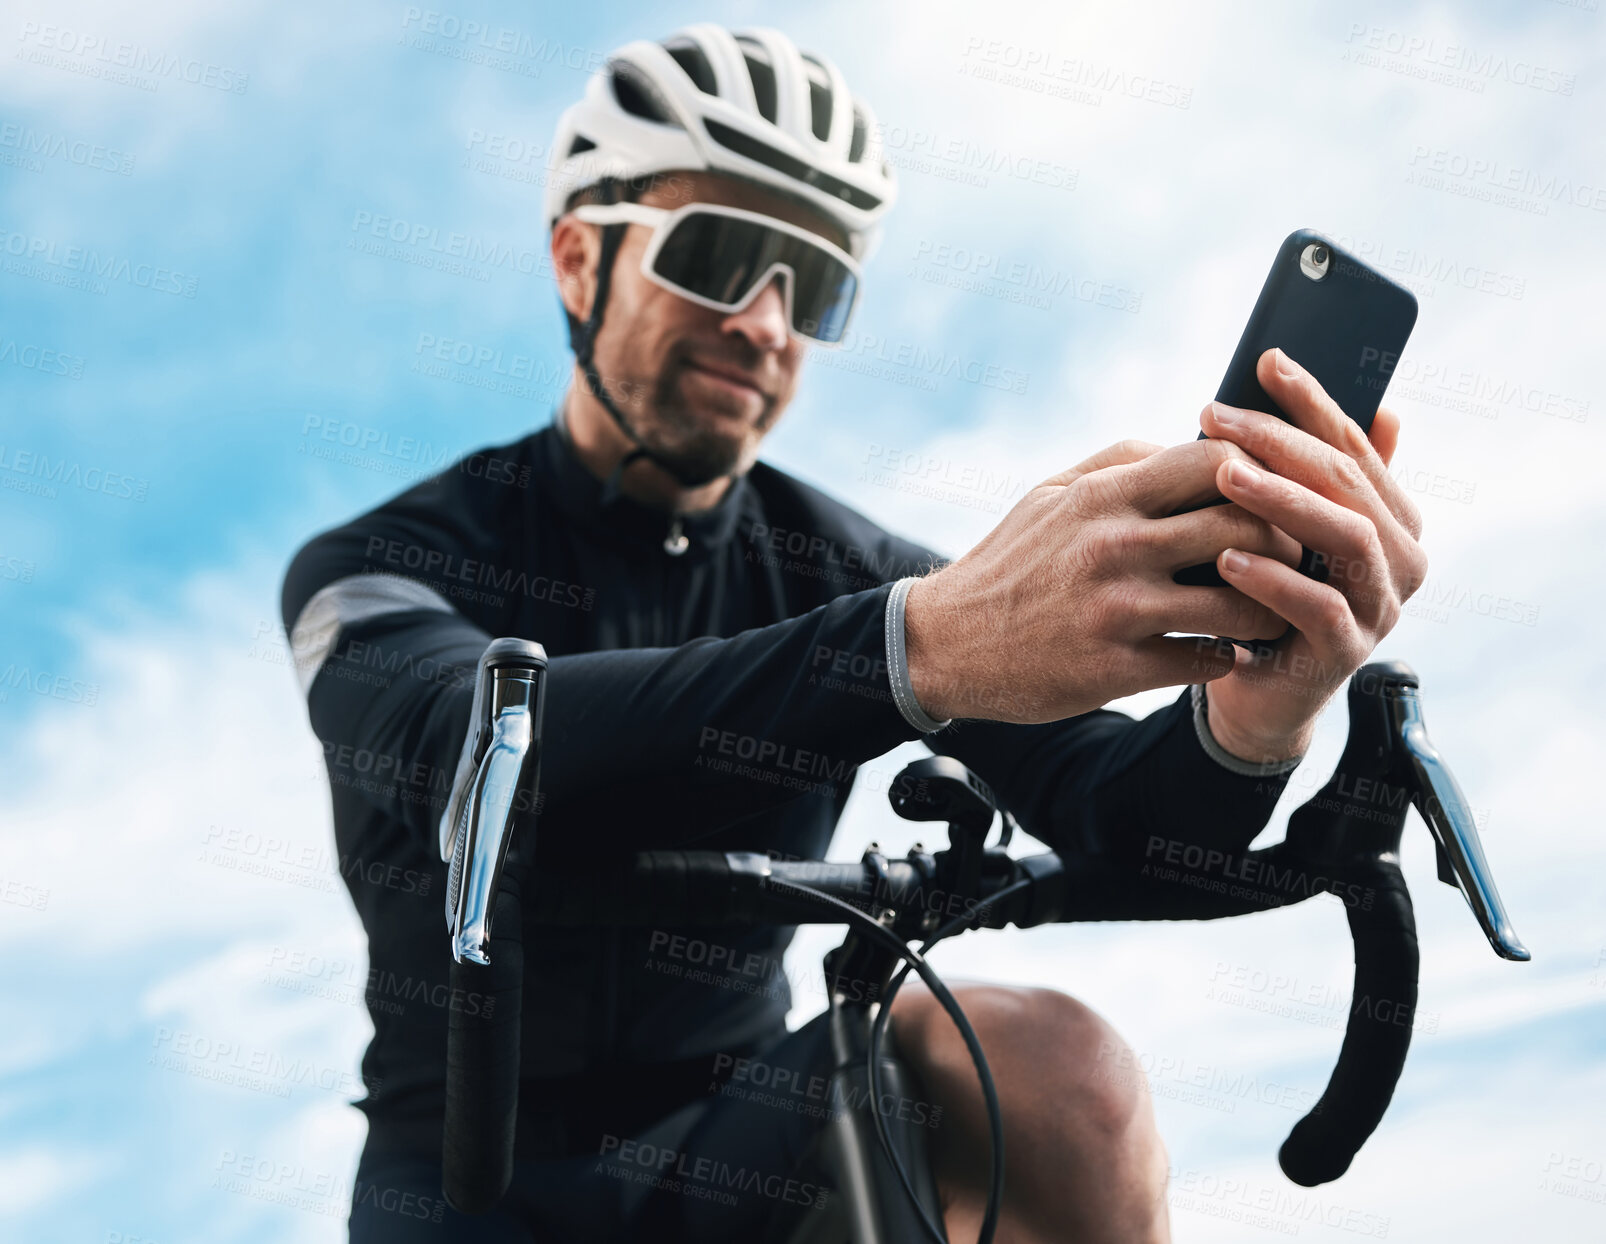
728,644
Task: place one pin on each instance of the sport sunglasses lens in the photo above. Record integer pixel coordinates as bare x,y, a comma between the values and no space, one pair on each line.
719,257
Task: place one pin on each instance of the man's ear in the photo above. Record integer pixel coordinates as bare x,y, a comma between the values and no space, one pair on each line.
575,250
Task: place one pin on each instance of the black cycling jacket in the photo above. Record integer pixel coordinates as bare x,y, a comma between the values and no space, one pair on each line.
724,696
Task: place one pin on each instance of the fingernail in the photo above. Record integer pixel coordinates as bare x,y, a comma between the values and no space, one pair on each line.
1242,474
1285,365
1226,416
1233,560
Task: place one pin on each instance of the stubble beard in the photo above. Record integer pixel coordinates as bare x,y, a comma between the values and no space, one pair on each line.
679,438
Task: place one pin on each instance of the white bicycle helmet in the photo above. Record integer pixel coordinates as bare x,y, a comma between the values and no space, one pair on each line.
747,103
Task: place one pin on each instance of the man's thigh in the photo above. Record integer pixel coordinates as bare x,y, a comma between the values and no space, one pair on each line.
738,1166
717,1169
398,1201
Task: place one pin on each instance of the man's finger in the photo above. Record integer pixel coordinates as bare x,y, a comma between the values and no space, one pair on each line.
1119,454
1173,662
1197,537
1313,410
1348,539
1180,477
1301,458
1318,610
1211,611
1385,434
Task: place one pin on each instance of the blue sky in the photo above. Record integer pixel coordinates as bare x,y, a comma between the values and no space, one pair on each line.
1088,202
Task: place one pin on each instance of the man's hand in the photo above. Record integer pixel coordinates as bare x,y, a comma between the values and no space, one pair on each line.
1065,605
1327,485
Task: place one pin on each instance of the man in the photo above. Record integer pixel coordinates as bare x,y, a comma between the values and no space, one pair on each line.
696,602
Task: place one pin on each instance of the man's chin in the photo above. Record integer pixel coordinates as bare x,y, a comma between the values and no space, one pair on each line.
708,459
705,431
704,447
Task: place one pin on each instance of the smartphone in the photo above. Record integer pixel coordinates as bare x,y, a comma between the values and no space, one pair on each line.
1341,320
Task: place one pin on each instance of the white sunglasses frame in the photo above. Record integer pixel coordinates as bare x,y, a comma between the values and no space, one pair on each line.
661,220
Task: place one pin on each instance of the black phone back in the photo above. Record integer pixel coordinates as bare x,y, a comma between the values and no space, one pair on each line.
1347,328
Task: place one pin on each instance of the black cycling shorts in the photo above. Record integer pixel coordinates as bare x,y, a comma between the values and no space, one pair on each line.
716,1169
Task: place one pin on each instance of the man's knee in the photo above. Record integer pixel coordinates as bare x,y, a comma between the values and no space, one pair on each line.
1094,1067
1086,1156
1051,1048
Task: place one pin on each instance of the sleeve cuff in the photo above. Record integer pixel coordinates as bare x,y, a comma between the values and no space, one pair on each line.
1224,758
903,692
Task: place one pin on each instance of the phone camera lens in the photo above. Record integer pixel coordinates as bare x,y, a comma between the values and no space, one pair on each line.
1314,260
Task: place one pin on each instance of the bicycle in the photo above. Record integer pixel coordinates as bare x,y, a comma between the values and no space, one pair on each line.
878,1165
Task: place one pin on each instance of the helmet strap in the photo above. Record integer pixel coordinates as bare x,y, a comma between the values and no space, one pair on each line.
582,339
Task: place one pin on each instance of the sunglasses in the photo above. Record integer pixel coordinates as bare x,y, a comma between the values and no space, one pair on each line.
724,257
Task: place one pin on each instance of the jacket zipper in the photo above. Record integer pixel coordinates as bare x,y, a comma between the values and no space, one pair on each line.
675,543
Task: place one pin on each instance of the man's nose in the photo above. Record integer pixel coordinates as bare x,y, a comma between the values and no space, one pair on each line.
762,321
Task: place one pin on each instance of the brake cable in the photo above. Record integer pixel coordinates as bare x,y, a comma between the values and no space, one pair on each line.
914,959
873,1061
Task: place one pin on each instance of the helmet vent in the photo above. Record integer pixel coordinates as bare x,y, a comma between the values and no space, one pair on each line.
637,97
763,76
860,136
690,57
819,99
580,143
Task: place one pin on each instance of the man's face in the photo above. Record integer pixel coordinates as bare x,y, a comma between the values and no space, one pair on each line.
701,387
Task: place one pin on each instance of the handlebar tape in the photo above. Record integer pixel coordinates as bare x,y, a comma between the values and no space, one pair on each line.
482,1065
1382,1010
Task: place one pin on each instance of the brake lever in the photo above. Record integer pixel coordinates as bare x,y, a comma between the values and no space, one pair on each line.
1389,762
497,771
1438,798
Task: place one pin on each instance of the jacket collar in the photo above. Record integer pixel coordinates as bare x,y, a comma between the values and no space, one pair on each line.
584,498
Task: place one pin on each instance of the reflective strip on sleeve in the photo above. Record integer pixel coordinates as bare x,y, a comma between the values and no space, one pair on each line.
356,598
1224,758
903,688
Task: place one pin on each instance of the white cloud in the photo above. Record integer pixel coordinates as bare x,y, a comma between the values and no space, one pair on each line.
181,830
34,1176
